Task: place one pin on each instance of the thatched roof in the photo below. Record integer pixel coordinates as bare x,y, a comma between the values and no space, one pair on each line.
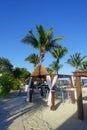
39,71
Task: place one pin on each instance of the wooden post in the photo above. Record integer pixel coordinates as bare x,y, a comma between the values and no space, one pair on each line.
79,98
72,92
30,100
52,100
42,91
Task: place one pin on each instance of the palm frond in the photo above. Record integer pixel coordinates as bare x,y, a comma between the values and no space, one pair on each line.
44,41
33,58
76,60
54,66
57,39
59,52
30,39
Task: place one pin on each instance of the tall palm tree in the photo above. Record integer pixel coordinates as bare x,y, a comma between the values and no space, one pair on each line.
84,66
33,58
58,53
54,67
49,70
43,42
76,60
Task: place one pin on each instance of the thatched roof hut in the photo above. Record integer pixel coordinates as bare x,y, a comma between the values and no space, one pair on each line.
39,72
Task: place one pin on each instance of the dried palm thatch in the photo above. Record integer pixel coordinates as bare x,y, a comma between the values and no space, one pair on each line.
39,71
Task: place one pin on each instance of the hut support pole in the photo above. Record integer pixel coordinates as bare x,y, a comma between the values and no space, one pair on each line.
79,99
41,92
30,100
72,92
52,100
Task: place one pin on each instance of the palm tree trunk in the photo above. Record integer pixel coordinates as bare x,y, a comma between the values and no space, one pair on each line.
40,58
57,65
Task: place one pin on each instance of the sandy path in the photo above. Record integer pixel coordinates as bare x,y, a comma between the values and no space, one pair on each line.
63,118
17,114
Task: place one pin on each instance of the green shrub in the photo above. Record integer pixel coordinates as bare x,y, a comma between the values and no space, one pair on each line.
7,83
1,90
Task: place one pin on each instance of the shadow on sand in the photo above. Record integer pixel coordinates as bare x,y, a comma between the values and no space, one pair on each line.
16,107
73,123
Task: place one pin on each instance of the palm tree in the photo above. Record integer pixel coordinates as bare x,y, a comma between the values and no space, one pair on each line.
84,66
49,70
58,53
33,58
76,60
43,42
54,67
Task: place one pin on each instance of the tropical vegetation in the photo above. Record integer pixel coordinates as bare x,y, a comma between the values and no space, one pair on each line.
54,67
10,77
84,66
58,53
76,60
44,41
33,58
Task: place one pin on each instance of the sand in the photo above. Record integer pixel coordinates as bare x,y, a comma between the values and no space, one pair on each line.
17,114
39,116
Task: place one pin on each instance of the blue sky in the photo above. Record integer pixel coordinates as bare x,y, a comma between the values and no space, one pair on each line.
67,17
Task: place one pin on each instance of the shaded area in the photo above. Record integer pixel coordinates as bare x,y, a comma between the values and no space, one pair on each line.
16,110
74,123
9,111
13,107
